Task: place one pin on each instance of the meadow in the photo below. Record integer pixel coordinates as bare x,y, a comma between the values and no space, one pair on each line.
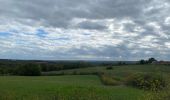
78,84
69,87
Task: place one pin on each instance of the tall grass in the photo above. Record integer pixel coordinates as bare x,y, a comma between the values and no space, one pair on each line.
109,80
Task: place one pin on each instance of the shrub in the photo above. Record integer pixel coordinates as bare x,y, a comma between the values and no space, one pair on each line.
29,70
152,82
109,68
1,71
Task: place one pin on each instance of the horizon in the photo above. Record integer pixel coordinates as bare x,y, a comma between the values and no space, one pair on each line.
91,30
79,60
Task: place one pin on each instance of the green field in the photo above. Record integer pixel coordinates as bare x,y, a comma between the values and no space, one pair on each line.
118,71
75,87
79,87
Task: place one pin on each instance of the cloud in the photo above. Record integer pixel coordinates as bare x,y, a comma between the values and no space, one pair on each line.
58,13
84,29
91,25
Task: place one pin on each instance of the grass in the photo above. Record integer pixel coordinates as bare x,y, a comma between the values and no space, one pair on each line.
109,80
118,75
79,87
117,71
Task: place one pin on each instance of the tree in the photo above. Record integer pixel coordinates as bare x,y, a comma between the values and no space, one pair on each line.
142,62
150,60
29,70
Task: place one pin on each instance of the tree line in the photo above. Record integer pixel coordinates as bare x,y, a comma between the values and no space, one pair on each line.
149,61
35,68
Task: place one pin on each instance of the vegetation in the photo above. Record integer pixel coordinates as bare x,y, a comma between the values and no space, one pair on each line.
29,70
109,80
149,61
147,81
9,67
69,87
83,81
109,68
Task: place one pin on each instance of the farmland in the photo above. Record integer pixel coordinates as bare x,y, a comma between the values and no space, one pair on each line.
69,87
77,84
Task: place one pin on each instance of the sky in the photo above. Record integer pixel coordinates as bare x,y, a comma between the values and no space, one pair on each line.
84,29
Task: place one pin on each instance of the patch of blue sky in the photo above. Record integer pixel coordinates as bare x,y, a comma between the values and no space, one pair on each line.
5,34
41,33
61,39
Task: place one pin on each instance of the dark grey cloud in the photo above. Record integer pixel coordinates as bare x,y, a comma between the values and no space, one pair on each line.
91,25
58,13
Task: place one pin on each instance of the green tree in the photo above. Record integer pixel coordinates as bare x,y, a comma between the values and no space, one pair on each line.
150,60
142,62
29,70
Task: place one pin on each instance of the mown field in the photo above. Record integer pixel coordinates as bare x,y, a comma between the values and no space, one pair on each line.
77,84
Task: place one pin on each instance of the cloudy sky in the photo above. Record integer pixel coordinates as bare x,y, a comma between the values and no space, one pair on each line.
84,29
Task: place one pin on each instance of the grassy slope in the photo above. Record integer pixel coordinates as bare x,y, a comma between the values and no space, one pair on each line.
119,71
86,87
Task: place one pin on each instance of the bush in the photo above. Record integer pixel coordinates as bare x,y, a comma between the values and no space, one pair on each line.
1,71
109,68
152,82
29,70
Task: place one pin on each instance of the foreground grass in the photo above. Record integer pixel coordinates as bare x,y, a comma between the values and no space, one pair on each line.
70,87
118,74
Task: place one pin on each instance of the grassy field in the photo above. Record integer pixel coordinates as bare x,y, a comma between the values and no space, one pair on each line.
118,71
79,87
